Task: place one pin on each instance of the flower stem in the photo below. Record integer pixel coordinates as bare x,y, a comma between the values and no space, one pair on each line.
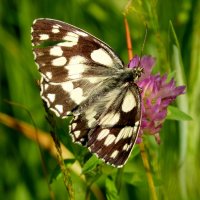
148,171
128,39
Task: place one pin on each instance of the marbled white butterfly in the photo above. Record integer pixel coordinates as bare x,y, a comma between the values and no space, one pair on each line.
83,77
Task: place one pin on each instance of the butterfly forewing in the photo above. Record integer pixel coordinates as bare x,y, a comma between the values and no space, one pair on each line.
82,76
68,58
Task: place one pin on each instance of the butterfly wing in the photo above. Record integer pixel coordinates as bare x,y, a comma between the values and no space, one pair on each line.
72,63
110,127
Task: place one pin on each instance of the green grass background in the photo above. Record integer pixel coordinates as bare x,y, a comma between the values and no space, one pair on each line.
175,163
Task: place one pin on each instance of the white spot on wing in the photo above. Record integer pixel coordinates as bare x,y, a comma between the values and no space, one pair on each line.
51,97
124,133
59,61
102,134
129,102
126,147
44,36
137,123
109,140
56,51
68,113
135,128
110,119
77,133
71,40
73,125
77,95
55,29
90,114
102,57
81,33
49,75
67,86
77,60
59,108
65,44
114,154
71,36
76,67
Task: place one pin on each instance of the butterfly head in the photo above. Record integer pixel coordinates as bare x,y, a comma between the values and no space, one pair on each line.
137,72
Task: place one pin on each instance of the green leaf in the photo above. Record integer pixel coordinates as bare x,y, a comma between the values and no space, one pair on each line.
174,113
111,190
57,173
91,164
174,39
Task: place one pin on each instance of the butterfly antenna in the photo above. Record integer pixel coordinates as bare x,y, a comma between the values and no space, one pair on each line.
143,44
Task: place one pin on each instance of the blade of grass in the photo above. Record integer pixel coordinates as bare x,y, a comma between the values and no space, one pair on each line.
182,103
193,164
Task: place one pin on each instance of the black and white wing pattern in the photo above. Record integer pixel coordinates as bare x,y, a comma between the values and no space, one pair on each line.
83,77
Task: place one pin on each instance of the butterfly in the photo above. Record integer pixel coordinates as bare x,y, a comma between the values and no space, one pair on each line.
83,77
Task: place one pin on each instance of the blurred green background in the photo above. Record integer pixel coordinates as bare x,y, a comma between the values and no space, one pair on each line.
175,163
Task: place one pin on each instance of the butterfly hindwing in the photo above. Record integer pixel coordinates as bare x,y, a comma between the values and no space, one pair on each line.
110,127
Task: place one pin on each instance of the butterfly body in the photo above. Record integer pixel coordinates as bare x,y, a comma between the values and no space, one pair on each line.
83,77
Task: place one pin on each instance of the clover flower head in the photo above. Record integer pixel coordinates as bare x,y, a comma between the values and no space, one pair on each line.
156,95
